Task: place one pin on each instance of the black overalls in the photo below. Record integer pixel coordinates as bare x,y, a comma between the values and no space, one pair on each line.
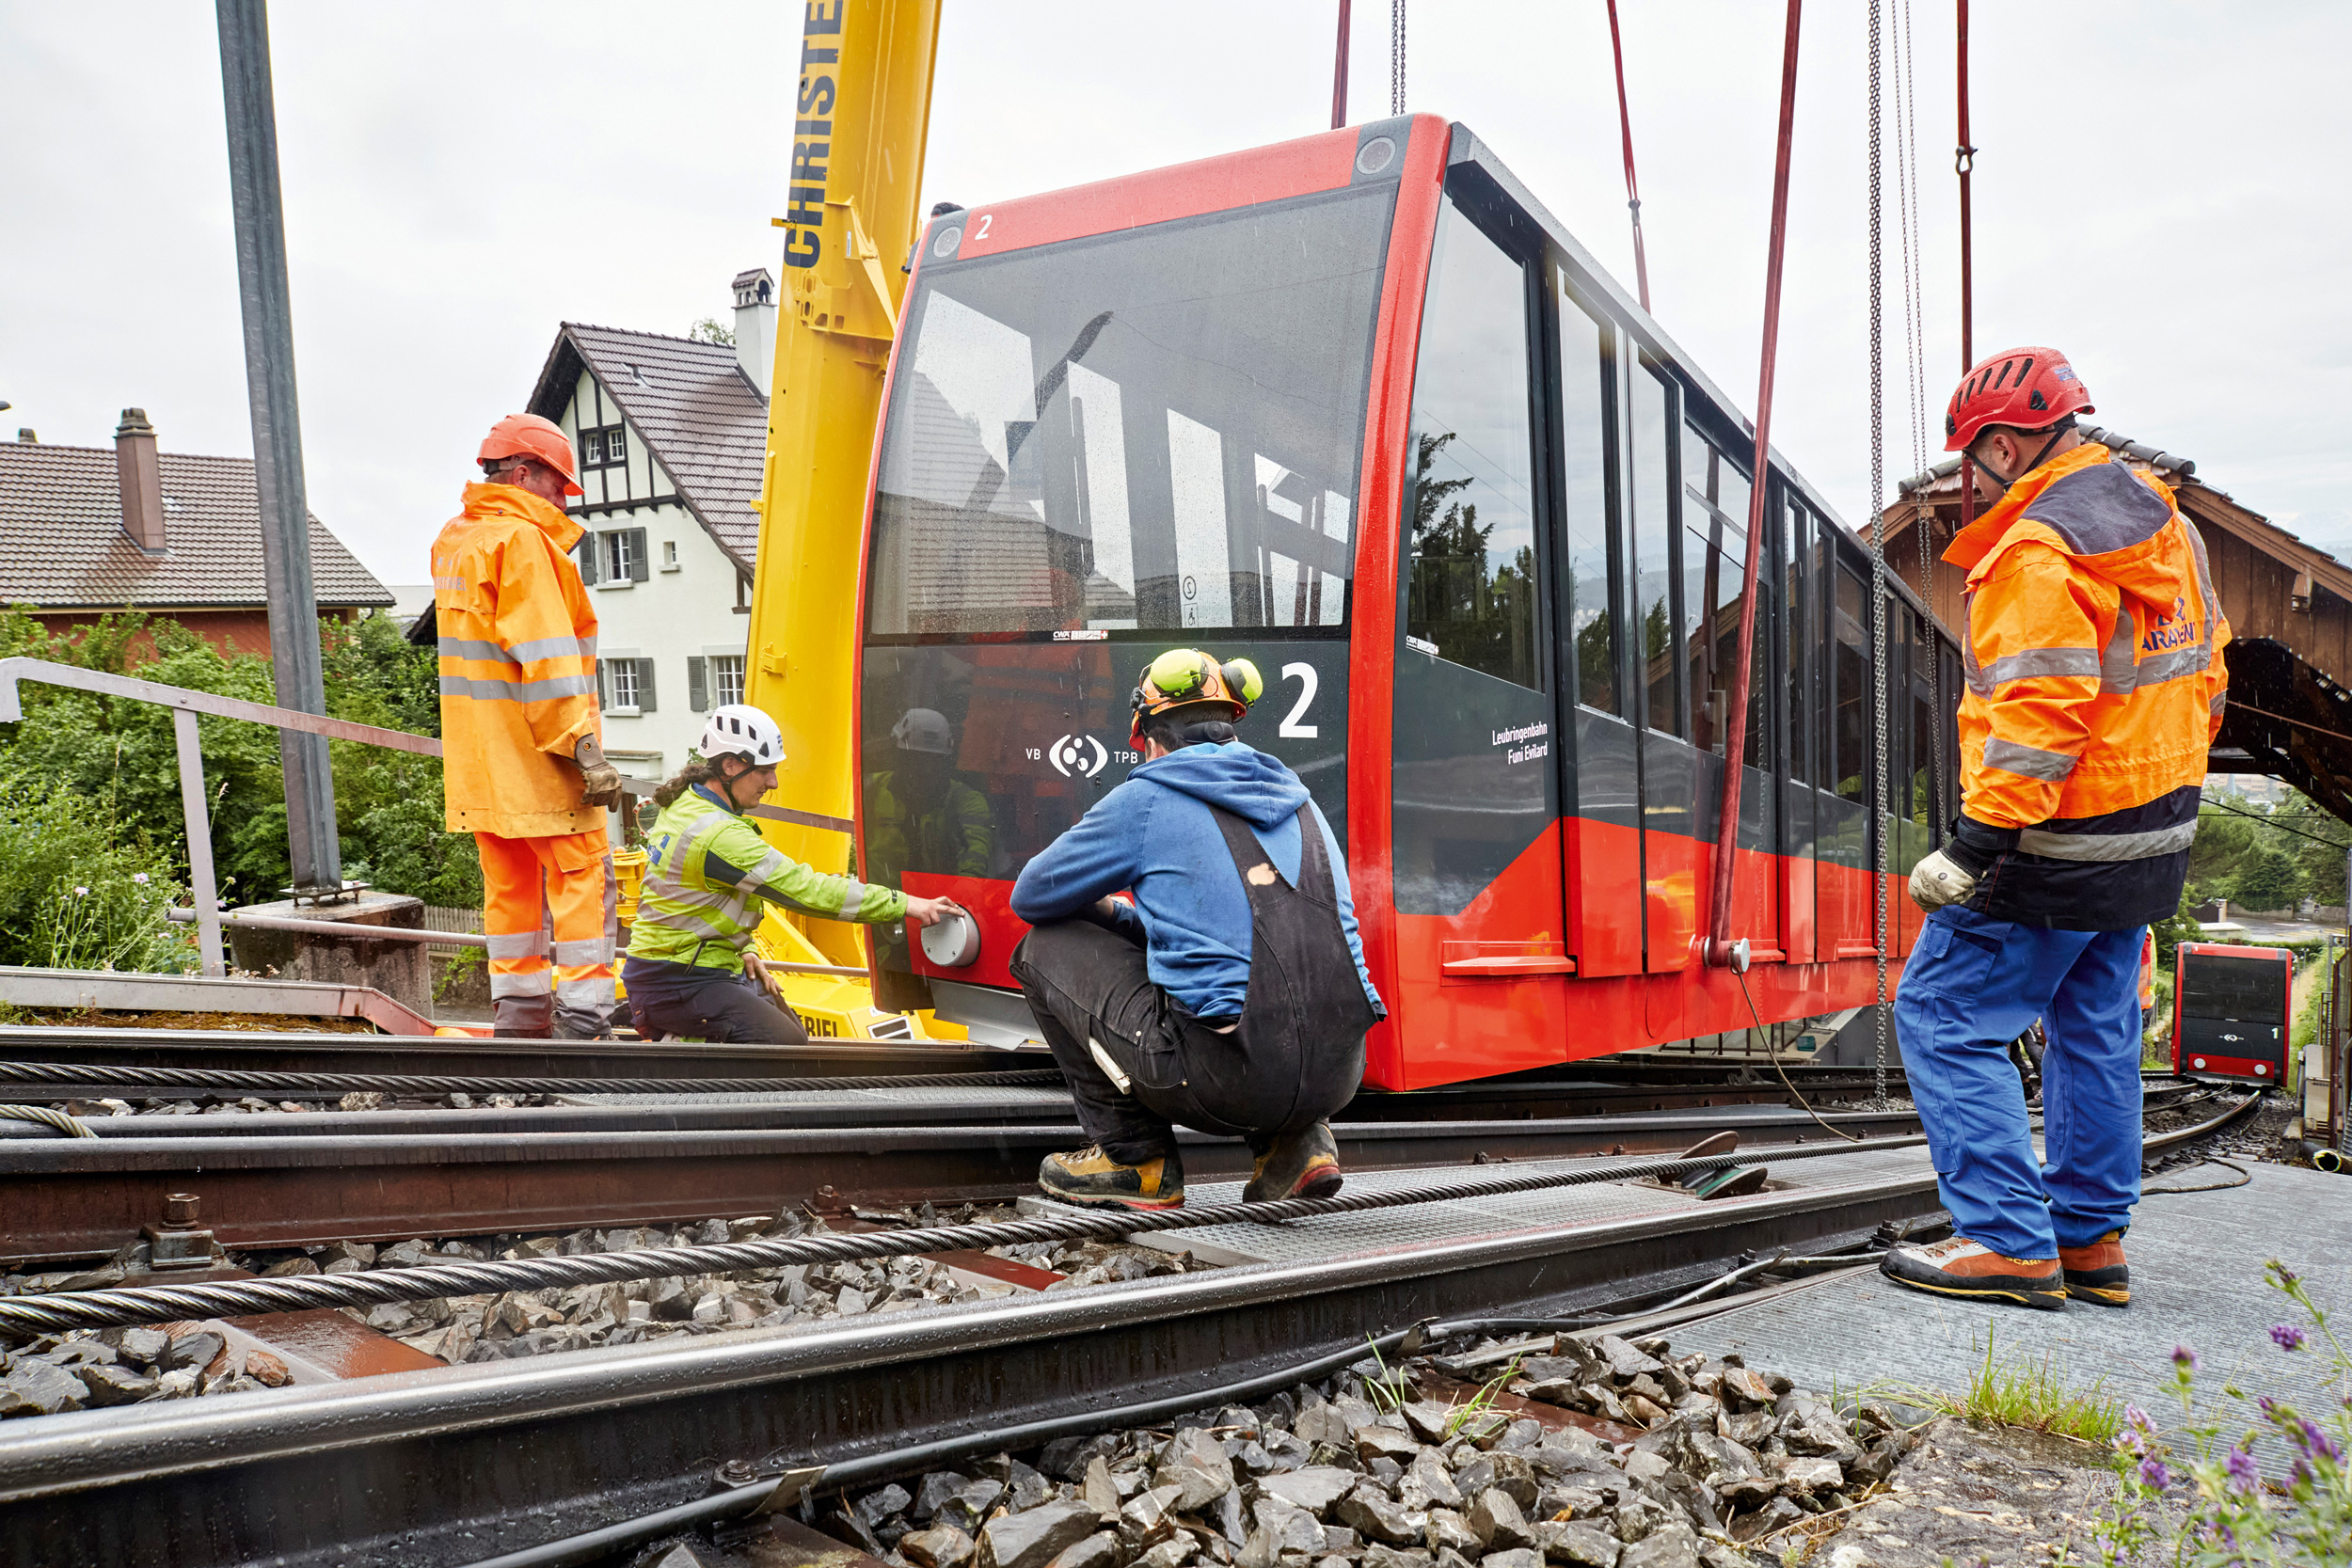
1137,1061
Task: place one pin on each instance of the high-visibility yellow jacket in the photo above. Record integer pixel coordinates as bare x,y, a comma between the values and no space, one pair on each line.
706,871
2095,687
518,667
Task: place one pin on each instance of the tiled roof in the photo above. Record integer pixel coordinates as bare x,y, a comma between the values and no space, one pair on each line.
704,422
1944,479
62,545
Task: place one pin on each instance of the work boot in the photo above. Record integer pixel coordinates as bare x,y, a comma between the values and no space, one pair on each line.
2096,1272
1092,1179
1960,1267
1305,1163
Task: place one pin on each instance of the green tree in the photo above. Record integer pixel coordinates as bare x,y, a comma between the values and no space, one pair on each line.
121,754
2267,880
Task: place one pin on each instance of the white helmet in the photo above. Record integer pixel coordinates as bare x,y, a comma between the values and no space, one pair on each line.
742,731
923,729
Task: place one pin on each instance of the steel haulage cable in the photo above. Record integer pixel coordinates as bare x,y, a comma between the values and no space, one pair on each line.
213,1080
38,1314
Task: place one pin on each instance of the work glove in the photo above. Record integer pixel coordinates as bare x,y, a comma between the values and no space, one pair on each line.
1938,880
599,781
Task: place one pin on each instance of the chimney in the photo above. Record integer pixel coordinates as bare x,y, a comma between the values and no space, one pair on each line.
25,436
755,327
141,479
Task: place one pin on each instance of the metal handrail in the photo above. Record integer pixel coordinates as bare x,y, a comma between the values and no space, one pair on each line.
185,704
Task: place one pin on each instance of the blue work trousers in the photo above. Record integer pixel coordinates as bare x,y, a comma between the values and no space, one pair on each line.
1973,985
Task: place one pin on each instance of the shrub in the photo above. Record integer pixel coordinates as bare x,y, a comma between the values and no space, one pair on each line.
76,892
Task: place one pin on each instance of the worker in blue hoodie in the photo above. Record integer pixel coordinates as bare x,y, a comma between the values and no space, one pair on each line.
1230,996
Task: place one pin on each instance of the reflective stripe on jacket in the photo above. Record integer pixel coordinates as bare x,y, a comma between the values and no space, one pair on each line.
2095,687
706,871
518,667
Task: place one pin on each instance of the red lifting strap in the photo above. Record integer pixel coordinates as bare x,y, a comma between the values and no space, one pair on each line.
1632,191
1719,947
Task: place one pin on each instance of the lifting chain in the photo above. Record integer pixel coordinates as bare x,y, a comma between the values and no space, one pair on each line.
1396,57
1878,570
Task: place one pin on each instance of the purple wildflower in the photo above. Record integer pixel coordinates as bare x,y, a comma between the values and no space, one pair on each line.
2243,1470
2153,1472
2185,1358
2312,1441
2135,1415
2286,1335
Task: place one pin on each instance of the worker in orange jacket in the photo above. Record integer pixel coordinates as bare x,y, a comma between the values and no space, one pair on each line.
2095,687
524,768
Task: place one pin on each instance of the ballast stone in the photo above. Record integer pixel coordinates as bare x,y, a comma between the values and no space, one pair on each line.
1036,1537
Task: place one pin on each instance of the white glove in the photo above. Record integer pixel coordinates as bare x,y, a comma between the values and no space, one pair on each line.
1938,880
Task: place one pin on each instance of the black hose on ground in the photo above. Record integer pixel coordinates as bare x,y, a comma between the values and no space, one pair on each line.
216,1080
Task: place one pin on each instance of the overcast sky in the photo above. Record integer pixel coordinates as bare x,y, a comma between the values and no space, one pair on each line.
2159,194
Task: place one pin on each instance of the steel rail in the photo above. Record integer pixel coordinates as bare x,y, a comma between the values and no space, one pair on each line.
70,1042
164,1304
306,1051
77,1197
213,1080
456,1463
38,1314
1641,1132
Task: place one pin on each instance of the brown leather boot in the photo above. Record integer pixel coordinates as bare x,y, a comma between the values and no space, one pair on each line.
2097,1273
1960,1267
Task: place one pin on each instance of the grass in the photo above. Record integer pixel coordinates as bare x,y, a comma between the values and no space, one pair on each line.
1392,1390
2027,1394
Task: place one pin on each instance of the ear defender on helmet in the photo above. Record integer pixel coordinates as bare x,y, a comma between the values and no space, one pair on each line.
1242,682
1183,675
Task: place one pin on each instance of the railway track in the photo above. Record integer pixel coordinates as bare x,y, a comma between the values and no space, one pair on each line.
458,1464
301,1179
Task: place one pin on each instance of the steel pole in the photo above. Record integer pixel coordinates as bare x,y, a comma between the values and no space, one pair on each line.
269,373
202,889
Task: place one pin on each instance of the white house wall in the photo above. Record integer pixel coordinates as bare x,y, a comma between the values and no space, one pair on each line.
684,608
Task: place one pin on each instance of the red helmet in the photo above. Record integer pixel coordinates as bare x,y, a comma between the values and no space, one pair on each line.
529,436
2031,389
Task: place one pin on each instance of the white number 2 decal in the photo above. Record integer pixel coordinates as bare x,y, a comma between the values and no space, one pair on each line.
986,218
1292,729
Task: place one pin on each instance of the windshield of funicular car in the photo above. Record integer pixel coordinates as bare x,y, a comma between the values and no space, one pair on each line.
1154,429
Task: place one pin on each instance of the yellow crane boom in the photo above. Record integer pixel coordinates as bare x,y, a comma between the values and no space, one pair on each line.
861,116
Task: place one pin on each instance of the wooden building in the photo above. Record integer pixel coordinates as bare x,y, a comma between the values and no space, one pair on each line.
2290,609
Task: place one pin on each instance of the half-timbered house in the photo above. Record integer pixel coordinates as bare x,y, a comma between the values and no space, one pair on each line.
670,434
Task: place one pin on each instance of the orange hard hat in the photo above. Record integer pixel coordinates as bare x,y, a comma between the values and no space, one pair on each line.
2031,389
529,436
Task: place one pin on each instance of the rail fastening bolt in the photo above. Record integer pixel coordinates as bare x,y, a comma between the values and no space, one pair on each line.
180,1210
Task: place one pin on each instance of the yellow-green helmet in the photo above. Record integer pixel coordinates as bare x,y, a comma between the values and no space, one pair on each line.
1183,676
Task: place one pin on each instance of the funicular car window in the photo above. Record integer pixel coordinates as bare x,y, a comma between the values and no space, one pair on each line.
2239,990
1156,429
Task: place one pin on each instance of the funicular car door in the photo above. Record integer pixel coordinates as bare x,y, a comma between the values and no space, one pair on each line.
1477,860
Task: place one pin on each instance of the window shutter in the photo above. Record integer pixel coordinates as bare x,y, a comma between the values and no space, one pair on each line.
698,684
639,567
644,684
590,573
603,701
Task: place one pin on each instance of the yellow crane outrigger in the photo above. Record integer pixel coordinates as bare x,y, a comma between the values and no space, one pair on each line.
861,117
